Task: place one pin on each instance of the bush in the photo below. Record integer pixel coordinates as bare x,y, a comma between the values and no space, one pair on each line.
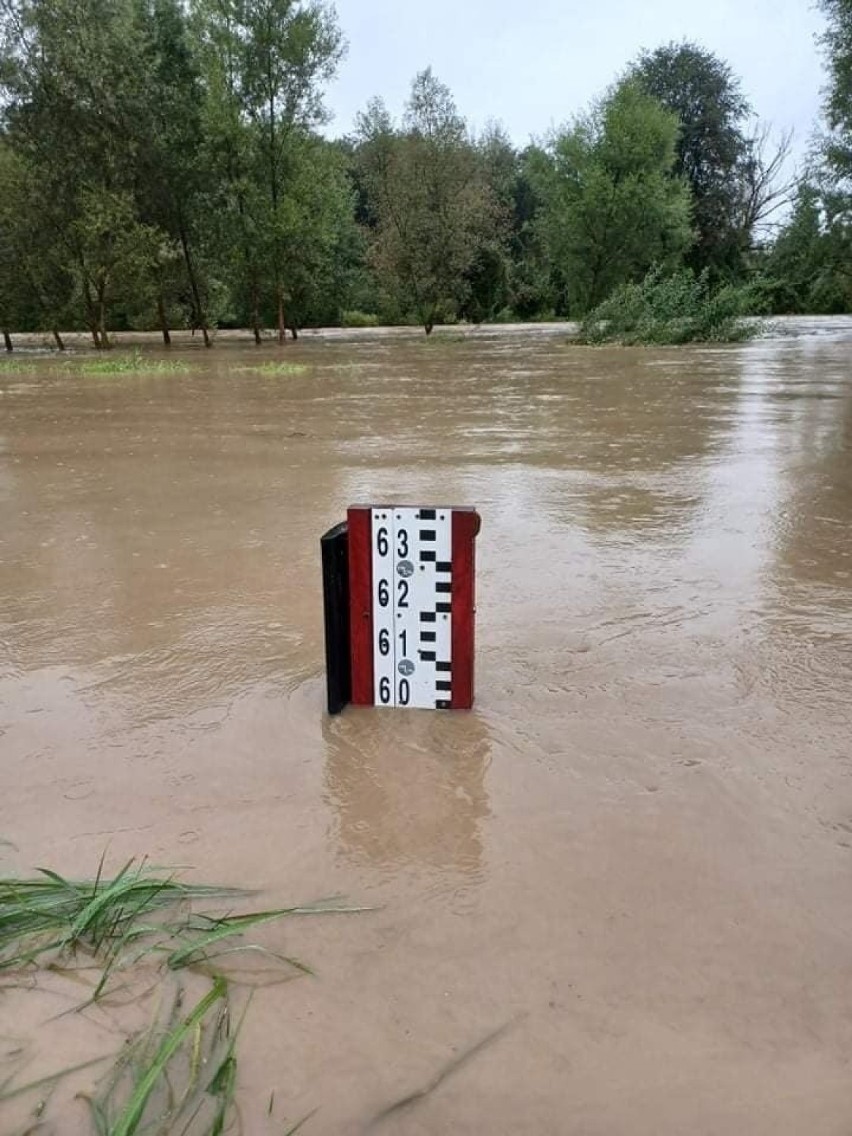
360,319
680,308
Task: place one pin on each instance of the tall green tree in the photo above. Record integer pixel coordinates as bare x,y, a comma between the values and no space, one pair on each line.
36,286
808,264
817,242
266,61
434,211
12,209
172,176
612,205
316,233
73,81
837,44
711,149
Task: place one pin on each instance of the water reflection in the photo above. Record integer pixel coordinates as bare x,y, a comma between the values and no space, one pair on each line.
408,787
816,545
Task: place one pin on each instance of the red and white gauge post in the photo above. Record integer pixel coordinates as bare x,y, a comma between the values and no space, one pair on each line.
411,601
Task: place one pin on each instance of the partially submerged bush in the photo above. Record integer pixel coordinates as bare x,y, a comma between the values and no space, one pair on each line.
355,318
681,308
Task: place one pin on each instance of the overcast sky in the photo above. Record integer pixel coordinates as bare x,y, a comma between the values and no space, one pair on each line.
532,64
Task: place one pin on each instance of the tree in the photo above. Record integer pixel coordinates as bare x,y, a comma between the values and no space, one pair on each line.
264,63
12,291
763,189
73,79
611,204
434,211
172,176
831,248
712,148
808,266
837,43
316,233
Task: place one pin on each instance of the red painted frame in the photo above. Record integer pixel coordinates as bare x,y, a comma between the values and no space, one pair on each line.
360,527
466,524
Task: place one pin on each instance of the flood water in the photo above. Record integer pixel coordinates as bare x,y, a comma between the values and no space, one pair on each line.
633,857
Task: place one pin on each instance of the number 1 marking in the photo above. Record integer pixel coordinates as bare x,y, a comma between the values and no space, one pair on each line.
384,664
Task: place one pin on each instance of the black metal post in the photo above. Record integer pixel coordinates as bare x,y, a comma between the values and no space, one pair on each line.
335,591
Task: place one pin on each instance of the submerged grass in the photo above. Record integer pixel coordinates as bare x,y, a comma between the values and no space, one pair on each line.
143,920
141,1086
135,363
273,368
50,915
15,367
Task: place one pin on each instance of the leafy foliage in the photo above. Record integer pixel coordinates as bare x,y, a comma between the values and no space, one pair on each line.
612,205
671,309
809,268
162,166
707,100
837,42
435,215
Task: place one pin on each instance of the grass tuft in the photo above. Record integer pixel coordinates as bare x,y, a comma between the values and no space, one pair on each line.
50,915
141,1087
273,368
134,364
179,1075
15,367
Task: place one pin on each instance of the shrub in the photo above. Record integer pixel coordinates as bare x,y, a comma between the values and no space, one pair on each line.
360,319
681,308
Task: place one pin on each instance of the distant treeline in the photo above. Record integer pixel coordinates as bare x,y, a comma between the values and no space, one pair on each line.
162,166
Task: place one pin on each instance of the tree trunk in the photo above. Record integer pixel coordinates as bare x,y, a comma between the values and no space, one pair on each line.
255,314
7,340
294,331
200,313
282,325
90,314
164,323
57,339
102,328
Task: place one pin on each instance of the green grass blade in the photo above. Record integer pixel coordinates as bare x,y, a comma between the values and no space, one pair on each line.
131,1116
300,1123
225,928
10,1094
57,879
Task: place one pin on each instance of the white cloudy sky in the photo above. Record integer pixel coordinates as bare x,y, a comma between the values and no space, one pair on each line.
532,64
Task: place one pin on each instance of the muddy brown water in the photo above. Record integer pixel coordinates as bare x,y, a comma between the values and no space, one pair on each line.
635,854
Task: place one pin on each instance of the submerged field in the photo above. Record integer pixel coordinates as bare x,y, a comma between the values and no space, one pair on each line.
613,898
